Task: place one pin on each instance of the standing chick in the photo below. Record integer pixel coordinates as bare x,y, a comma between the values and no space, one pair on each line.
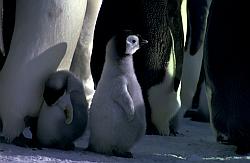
117,113
63,117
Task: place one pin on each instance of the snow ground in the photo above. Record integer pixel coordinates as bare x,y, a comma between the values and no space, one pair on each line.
196,143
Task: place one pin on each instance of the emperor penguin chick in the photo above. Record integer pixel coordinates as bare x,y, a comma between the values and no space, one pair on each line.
117,113
63,116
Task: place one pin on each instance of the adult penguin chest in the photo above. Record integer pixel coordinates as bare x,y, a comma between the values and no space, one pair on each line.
155,65
151,62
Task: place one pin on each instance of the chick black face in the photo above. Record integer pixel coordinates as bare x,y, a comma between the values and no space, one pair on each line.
55,87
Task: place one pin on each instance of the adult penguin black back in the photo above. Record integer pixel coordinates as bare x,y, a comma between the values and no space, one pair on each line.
160,23
227,73
64,114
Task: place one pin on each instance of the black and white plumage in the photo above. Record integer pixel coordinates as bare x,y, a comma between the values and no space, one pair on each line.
41,41
117,113
227,67
160,23
192,86
64,114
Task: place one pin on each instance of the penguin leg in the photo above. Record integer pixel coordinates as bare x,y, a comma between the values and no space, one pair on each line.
151,129
22,141
13,126
32,123
174,125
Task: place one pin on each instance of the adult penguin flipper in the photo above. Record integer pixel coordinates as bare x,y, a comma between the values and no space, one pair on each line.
7,21
197,19
178,37
176,28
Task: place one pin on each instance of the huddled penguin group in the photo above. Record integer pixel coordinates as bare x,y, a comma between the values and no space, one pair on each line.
141,87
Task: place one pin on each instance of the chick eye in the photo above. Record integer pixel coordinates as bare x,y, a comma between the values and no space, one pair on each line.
133,41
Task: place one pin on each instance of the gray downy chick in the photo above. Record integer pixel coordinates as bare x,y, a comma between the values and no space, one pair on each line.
117,113
64,114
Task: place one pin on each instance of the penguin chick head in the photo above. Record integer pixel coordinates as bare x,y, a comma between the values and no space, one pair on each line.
127,43
54,88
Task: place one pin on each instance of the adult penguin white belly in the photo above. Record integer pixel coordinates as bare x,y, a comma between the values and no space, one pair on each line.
45,31
227,67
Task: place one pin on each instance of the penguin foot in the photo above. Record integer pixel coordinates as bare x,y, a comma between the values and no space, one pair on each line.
223,139
67,147
122,154
2,139
151,130
242,149
198,117
12,129
175,133
190,113
22,141
89,149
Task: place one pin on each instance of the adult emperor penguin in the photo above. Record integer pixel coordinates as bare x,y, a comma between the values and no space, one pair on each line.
117,113
192,82
227,67
42,38
158,68
64,114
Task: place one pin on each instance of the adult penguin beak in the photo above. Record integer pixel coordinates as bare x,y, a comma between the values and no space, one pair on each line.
142,41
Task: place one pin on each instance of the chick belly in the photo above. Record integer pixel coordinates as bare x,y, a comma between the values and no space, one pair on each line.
111,130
